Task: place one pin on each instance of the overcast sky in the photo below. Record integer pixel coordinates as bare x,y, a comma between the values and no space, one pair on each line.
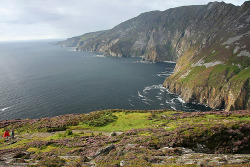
54,19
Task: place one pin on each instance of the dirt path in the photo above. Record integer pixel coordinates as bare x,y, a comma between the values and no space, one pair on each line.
48,134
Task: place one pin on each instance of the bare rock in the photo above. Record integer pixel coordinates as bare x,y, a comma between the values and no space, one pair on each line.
123,163
104,150
25,155
113,134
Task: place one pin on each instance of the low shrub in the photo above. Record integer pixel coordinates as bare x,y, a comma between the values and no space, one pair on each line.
101,118
51,162
69,132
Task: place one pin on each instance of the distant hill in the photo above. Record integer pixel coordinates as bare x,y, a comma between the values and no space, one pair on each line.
211,44
80,40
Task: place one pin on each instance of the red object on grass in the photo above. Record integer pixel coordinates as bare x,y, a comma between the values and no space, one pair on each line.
6,133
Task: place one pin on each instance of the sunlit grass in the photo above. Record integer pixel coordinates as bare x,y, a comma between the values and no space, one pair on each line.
125,121
18,144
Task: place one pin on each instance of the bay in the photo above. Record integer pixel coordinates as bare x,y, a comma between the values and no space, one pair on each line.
40,79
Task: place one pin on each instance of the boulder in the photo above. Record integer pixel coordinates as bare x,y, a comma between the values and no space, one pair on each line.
104,150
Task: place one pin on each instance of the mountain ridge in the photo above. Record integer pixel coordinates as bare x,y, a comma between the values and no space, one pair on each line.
209,42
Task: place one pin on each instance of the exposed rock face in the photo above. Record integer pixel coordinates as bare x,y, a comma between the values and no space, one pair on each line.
210,43
213,71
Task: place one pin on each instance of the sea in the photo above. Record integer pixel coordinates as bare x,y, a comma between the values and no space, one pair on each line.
41,79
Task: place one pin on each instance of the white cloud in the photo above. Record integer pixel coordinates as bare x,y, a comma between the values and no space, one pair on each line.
33,19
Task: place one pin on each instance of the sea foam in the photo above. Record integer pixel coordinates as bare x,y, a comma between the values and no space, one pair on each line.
6,108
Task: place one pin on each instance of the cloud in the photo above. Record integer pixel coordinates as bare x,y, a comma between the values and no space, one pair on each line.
33,19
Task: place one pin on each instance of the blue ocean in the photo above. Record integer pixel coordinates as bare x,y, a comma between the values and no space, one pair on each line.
41,79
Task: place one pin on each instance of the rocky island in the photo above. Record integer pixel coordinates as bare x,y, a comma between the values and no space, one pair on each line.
210,44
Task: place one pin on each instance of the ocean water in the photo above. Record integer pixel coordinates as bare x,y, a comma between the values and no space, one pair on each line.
40,79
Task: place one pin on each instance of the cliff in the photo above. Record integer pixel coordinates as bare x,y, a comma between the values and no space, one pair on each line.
215,70
209,42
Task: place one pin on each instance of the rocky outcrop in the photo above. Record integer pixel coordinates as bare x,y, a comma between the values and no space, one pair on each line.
104,150
209,42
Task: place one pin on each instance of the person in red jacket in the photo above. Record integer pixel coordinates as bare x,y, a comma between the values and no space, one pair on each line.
6,134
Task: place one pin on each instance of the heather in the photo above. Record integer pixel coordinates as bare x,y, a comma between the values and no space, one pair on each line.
130,138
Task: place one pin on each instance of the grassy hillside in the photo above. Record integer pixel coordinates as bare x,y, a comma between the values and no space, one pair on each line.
130,137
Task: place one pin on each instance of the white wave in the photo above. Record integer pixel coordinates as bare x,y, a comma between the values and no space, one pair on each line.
99,56
173,108
162,90
181,100
161,104
152,87
146,102
159,97
139,94
167,102
163,75
168,91
6,108
144,62
169,62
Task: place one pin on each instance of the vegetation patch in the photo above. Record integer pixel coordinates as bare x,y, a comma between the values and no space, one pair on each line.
143,137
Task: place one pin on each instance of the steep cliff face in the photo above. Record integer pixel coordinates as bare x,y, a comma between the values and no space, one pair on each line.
215,71
209,42
156,35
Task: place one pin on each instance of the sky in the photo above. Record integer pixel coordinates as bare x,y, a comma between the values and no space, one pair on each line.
61,19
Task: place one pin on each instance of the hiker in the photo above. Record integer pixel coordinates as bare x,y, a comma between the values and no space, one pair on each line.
6,134
12,133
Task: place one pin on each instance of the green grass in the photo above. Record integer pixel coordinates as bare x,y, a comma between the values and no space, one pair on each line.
195,77
50,148
238,81
123,123
211,57
242,75
134,120
33,149
18,144
243,61
62,136
215,76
